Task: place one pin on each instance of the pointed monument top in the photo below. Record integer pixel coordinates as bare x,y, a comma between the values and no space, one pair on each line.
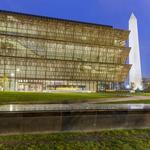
132,16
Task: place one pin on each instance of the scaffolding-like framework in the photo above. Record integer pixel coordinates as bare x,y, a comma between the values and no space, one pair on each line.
41,49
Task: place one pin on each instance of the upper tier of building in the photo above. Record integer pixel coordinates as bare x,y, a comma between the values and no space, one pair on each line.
61,29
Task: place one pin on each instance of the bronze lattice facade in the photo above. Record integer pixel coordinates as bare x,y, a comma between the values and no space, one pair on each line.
42,53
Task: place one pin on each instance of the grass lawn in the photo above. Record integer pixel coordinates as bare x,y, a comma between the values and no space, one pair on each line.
146,94
32,97
29,97
141,94
104,140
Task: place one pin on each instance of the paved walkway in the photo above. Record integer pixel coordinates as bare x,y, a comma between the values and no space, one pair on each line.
130,98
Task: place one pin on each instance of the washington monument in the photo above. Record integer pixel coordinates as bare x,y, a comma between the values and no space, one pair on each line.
135,75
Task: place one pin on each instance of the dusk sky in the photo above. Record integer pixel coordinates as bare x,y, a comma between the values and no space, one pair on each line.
109,12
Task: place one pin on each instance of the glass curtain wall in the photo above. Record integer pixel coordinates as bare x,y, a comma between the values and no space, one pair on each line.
40,53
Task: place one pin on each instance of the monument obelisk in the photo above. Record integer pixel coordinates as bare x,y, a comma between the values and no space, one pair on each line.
135,75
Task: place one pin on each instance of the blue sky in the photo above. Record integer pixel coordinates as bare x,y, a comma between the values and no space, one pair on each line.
110,12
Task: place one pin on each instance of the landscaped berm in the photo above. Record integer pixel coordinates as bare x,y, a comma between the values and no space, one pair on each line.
103,97
29,97
104,140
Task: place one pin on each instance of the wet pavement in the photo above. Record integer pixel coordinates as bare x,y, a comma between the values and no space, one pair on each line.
70,107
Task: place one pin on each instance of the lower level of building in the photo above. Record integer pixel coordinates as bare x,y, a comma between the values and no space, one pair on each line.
58,86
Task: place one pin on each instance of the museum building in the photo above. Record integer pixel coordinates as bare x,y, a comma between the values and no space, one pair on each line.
40,53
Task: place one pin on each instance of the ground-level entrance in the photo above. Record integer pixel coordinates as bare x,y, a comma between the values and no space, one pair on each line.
56,86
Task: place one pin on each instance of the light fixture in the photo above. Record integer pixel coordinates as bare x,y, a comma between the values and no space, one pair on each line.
17,69
12,74
127,86
140,88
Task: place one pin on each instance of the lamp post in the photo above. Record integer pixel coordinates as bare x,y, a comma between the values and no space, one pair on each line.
16,84
12,81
